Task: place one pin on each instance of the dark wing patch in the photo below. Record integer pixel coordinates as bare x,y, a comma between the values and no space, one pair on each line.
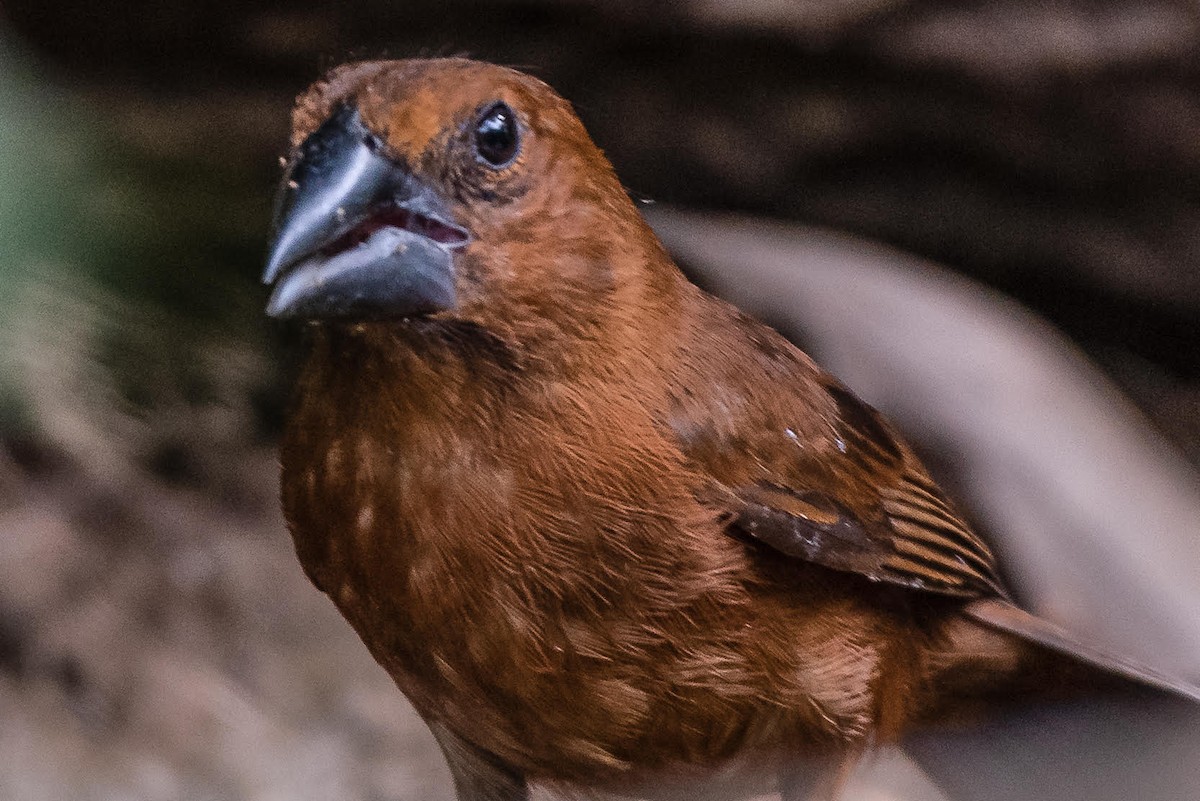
812,526
868,508
919,512
862,427
807,525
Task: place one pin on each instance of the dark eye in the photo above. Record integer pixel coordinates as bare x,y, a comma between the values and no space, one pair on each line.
496,136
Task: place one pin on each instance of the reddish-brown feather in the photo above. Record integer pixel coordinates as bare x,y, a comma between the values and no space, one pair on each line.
523,506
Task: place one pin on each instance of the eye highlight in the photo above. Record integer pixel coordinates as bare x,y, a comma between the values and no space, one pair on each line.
496,138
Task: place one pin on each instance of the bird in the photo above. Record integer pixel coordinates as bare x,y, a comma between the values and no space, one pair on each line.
603,529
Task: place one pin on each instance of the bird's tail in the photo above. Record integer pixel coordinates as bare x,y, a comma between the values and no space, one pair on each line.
1000,615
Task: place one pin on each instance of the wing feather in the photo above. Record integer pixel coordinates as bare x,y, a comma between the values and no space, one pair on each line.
865,505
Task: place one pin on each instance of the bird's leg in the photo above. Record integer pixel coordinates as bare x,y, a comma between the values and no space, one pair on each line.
478,775
819,779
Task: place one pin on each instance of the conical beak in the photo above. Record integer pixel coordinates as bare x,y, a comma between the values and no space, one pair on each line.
355,234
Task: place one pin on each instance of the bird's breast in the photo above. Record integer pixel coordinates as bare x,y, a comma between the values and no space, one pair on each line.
578,619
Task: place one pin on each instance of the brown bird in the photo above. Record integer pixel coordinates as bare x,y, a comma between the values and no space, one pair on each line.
600,527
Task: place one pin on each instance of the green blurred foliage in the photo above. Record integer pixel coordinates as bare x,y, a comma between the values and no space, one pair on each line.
122,272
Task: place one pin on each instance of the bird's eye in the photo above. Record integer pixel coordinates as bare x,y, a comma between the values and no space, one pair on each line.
496,136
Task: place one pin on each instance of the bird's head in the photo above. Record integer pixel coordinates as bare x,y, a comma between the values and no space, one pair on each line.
453,189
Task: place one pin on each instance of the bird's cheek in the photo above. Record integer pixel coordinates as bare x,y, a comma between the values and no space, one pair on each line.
486,277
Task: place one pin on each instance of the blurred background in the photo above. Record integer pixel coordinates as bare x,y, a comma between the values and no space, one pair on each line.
157,638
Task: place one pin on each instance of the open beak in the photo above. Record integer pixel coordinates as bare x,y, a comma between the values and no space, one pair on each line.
355,235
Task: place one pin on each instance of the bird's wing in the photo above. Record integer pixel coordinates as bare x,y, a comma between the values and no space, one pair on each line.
865,505
912,540
868,506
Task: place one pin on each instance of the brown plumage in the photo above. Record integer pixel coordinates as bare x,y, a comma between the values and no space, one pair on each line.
598,525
